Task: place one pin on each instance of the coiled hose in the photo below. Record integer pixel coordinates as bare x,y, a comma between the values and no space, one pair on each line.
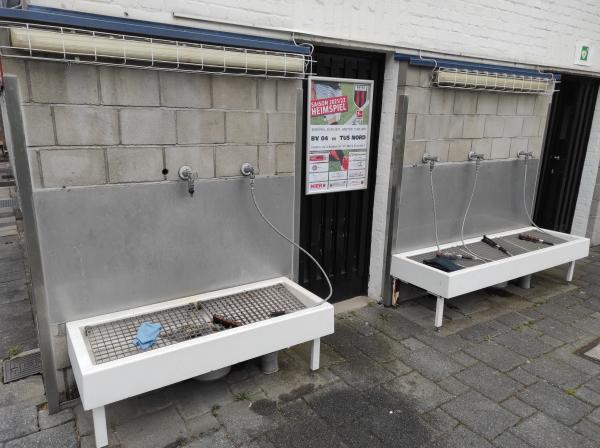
276,230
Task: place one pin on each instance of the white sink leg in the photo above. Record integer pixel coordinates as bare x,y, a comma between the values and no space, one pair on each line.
100,430
439,311
315,354
571,271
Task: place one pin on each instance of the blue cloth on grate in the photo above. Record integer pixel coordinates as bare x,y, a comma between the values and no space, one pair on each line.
146,335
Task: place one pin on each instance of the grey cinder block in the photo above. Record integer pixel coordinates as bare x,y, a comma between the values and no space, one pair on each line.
465,102
411,120
442,101
482,146
34,168
267,94
141,126
513,126
68,167
286,94
234,92
526,104
517,145
459,150
266,159
229,158
85,125
185,89
134,164
494,126
200,126
246,127
413,152
56,82
430,127
487,103
500,148
473,126
531,126
282,127
129,87
418,99
507,104
285,158
438,148
39,130
200,158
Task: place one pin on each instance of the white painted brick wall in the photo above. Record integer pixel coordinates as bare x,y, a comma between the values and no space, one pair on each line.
526,31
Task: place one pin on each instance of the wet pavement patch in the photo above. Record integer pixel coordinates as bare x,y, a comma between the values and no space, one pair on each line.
264,407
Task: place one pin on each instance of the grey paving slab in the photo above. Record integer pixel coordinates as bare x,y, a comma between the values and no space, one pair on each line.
16,327
461,437
513,319
440,421
518,407
358,436
508,440
484,331
243,423
204,424
556,372
445,344
567,355
311,432
193,398
480,414
380,347
558,330
522,376
134,407
17,421
453,386
595,416
338,404
58,437
588,395
45,420
432,364
496,356
464,359
157,429
491,383
423,393
361,372
555,402
217,439
524,344
394,421
588,429
541,431
26,391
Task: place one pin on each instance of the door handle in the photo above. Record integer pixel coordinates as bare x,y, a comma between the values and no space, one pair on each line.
556,157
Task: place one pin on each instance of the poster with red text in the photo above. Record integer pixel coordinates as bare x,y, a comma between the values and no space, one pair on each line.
338,133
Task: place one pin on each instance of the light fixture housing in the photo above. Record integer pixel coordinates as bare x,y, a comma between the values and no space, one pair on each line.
92,47
452,78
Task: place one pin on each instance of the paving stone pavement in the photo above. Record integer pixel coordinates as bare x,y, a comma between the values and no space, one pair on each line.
503,374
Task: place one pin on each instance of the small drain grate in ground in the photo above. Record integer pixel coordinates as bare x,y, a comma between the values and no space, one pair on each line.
591,351
22,366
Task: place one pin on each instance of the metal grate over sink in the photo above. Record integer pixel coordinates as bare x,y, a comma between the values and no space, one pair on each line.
114,340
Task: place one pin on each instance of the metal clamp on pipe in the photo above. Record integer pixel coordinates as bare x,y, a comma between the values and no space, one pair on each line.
428,158
186,173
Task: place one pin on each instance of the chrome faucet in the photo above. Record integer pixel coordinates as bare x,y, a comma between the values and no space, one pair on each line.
428,158
476,157
525,154
186,173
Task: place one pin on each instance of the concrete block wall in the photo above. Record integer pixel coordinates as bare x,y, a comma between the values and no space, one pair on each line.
449,123
88,125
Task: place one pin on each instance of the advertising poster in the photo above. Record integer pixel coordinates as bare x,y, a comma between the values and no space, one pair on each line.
339,126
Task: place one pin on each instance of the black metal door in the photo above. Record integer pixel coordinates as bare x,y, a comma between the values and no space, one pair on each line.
336,227
567,137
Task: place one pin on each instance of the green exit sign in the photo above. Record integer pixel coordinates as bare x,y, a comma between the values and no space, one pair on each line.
583,53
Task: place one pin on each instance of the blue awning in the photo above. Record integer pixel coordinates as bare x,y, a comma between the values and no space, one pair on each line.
61,17
463,65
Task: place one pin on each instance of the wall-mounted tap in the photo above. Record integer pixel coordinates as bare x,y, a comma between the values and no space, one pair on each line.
525,154
248,169
186,173
476,157
428,158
